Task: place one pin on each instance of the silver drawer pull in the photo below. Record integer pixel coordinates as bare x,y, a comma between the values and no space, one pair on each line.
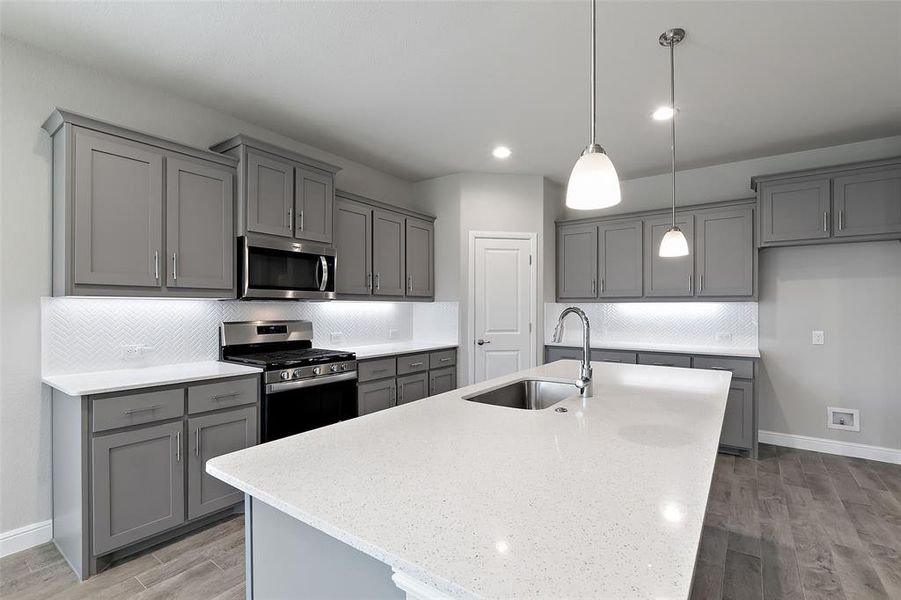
379,370
445,359
417,364
663,364
723,369
132,411
224,396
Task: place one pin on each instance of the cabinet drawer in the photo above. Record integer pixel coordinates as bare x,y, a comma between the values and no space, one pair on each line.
443,358
113,412
614,356
743,369
222,394
412,363
555,353
665,360
376,369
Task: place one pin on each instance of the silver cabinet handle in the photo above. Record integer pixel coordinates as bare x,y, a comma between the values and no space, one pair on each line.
841,220
300,225
178,446
197,442
417,364
394,395
374,371
445,359
594,287
290,218
369,281
378,281
722,369
603,284
224,396
656,364
480,341
175,266
156,264
131,411
702,282
690,283
826,221
410,282
400,394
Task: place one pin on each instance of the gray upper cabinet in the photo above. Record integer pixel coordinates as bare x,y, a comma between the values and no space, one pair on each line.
353,242
269,195
868,202
210,436
619,260
388,253
138,484
118,211
375,396
314,197
200,231
725,252
419,249
577,261
794,210
671,276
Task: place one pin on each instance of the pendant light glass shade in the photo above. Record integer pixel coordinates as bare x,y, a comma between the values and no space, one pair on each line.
673,243
593,183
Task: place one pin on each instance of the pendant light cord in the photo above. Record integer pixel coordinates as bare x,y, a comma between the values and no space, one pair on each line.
672,88
591,142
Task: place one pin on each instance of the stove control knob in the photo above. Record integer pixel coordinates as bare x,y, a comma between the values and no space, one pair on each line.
317,370
296,374
333,368
285,375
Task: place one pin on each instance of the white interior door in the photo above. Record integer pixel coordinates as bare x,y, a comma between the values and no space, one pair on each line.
503,306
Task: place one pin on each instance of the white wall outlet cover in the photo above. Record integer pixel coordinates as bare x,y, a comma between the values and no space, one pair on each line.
817,338
392,334
336,337
847,419
723,337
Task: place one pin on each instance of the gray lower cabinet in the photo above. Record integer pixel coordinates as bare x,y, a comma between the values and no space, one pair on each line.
794,210
269,194
664,360
138,484
442,380
419,252
209,436
868,202
614,356
620,260
738,422
554,353
668,276
725,252
376,395
200,229
353,241
313,205
388,253
577,261
412,387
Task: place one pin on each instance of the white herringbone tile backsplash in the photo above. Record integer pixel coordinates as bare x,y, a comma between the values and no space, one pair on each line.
87,334
727,324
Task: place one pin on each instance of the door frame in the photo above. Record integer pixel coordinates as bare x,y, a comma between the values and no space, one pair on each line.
471,296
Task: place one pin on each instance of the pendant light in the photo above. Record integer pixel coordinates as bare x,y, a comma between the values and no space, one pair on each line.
673,243
593,182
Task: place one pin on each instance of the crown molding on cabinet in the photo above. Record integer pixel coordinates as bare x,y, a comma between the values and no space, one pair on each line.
245,140
384,205
831,170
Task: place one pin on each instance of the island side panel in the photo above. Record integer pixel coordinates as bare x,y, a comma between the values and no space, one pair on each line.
290,559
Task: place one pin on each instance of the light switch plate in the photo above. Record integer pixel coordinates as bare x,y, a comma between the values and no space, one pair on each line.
818,338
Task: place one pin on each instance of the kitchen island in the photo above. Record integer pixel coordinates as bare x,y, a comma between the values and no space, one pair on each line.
445,497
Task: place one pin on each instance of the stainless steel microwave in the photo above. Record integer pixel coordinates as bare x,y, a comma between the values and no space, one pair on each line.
284,269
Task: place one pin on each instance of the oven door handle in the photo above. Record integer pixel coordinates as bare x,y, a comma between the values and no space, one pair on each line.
324,281
274,388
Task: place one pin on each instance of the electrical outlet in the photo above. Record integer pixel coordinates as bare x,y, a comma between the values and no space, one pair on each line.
131,351
336,337
843,418
723,337
817,338
392,334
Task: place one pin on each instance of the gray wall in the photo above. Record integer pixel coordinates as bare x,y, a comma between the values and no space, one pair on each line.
33,84
853,293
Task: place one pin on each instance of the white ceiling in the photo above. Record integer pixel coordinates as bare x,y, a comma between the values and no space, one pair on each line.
423,89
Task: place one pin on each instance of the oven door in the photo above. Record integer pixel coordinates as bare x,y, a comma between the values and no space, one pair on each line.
297,406
285,269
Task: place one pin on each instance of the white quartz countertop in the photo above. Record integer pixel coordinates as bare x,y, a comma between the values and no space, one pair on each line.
379,350
606,500
678,349
99,382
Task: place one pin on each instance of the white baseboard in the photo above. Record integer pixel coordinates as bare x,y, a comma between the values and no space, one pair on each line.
23,538
853,449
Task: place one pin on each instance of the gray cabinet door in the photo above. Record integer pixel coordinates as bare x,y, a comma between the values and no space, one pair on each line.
138,484
868,203
200,233
412,387
118,211
671,276
555,353
388,253
577,262
619,259
442,380
725,252
269,195
794,210
313,204
420,257
210,436
353,243
738,422
375,396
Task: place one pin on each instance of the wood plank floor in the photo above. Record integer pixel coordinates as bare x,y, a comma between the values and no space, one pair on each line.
791,525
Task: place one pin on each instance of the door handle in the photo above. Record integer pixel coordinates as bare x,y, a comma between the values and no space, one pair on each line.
156,264
175,266
178,446
197,442
378,281
300,225
410,282
480,341
290,219
826,221
841,220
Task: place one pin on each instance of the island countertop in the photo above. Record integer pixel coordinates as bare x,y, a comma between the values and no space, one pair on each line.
606,500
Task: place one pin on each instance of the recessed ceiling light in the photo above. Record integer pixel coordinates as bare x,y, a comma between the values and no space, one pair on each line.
664,113
501,152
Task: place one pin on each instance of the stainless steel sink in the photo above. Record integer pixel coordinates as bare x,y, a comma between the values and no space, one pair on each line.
530,394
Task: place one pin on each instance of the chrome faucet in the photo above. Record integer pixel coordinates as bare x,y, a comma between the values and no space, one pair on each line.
584,380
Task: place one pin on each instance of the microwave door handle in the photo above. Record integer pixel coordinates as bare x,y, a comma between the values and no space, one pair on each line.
324,282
